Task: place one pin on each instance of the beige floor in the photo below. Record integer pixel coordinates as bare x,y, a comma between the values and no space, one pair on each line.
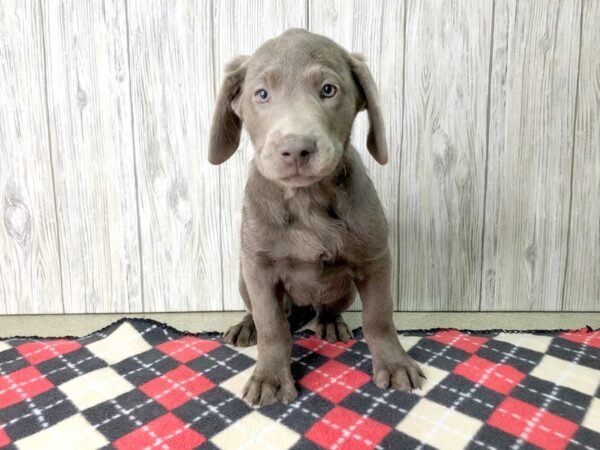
81,324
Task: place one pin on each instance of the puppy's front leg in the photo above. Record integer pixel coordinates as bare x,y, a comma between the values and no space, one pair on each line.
272,378
391,364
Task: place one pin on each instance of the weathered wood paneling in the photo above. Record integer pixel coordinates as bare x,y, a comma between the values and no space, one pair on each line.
361,27
259,20
441,194
29,258
582,289
532,110
492,112
90,134
170,50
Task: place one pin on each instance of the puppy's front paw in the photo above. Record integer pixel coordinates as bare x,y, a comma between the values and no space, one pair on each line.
275,385
401,373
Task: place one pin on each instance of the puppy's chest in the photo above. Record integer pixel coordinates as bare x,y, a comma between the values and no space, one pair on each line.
312,233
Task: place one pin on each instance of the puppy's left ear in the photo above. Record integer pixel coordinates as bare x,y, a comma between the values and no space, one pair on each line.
366,86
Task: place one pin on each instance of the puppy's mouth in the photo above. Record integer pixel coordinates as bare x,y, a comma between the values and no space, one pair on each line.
298,179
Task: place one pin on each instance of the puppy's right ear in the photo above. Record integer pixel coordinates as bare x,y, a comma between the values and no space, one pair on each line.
226,126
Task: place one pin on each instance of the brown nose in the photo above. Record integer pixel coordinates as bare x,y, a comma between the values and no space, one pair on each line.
295,149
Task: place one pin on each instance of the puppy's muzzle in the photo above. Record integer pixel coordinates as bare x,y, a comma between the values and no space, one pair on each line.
296,150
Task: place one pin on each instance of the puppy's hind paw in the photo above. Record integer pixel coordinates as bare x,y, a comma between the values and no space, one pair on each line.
333,328
242,334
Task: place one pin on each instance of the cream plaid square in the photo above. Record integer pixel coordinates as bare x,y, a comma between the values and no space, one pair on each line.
438,426
592,417
533,342
72,433
409,342
236,384
95,387
258,432
4,346
121,344
568,374
434,377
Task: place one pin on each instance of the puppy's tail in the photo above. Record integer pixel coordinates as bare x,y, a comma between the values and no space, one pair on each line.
297,316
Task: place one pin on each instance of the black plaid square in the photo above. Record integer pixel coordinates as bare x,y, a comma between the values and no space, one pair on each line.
357,356
492,438
465,396
220,364
305,444
301,414
397,440
385,406
560,400
28,417
156,334
585,438
305,362
144,366
61,369
522,359
123,414
439,355
97,336
11,361
214,411
208,445
568,350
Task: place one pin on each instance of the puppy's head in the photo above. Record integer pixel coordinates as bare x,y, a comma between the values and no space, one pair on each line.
297,96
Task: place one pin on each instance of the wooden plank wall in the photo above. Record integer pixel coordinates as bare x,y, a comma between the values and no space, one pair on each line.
109,205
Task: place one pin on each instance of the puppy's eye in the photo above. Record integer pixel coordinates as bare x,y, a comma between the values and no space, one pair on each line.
328,90
262,96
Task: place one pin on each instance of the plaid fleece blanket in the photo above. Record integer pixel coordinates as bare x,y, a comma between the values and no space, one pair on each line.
139,384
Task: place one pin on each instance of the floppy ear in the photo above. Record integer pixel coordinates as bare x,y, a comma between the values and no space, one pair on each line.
226,126
366,86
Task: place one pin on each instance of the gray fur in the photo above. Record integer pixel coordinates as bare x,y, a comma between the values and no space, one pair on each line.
312,225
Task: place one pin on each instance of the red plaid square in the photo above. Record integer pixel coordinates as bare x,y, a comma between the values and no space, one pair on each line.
165,432
498,377
460,340
187,348
4,439
176,387
323,347
37,352
536,426
22,384
334,381
342,429
583,336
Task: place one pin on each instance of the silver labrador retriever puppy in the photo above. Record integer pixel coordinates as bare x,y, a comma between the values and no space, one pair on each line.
312,226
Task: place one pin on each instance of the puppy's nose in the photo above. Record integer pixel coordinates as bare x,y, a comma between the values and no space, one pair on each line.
296,149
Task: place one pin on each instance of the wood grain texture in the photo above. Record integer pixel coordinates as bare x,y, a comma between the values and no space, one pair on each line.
240,28
108,202
170,49
90,132
532,110
441,194
29,257
361,27
582,289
